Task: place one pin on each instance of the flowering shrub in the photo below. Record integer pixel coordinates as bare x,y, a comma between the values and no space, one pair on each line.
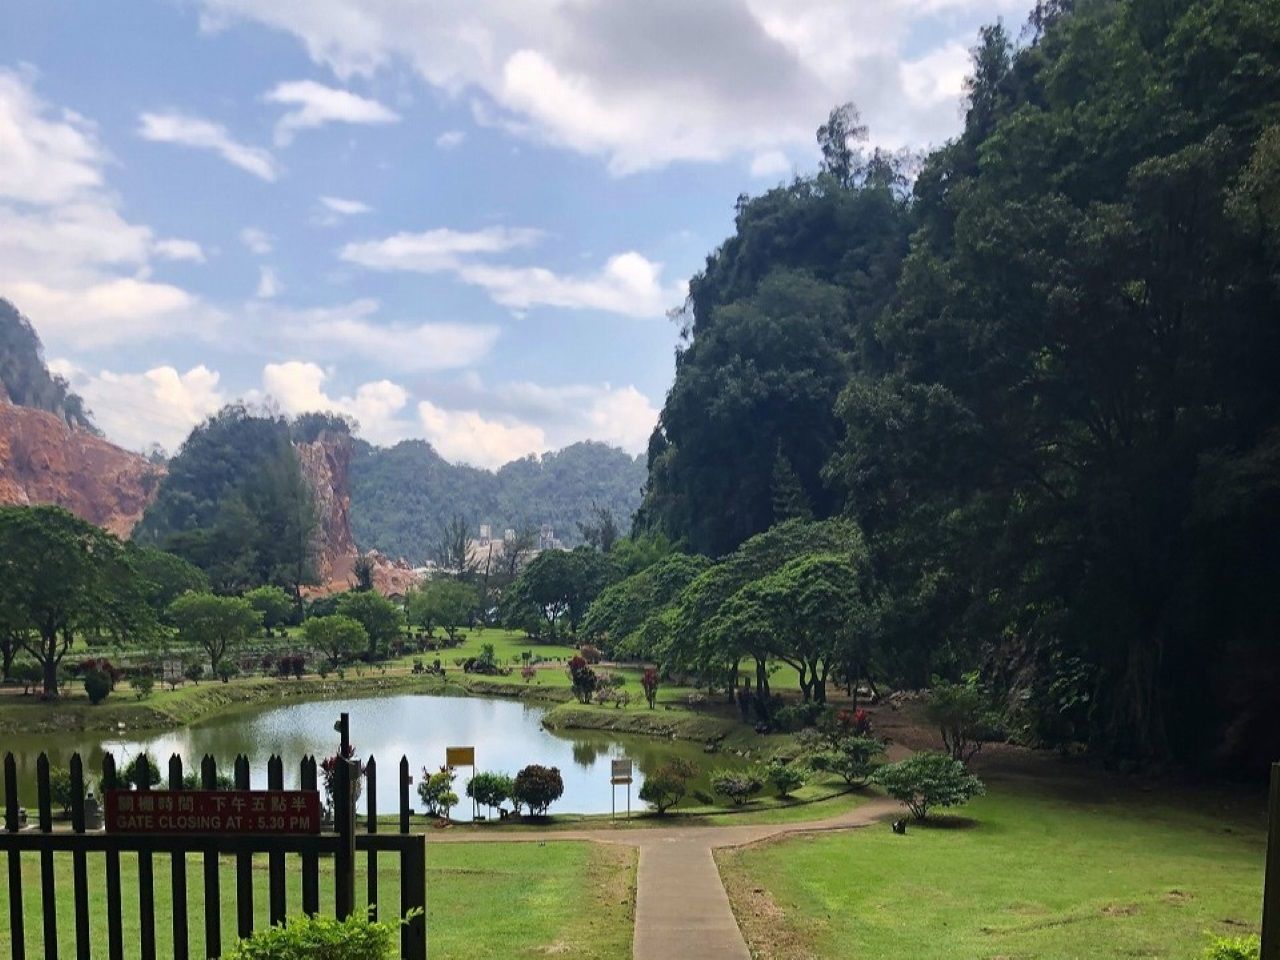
528,673
582,678
537,787
590,653
649,681
329,777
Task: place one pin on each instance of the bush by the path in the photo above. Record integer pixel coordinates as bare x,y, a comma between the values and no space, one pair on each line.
490,789
319,938
738,785
537,787
667,785
927,780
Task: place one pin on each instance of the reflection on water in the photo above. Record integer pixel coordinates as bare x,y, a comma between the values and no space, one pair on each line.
507,735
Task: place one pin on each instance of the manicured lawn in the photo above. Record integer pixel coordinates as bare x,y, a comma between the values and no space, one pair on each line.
486,901
1033,876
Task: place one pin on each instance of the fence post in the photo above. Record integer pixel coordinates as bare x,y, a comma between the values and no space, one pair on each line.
79,863
371,825
275,859
115,913
17,932
310,862
1271,885
413,896
178,877
344,861
244,862
48,896
146,876
212,891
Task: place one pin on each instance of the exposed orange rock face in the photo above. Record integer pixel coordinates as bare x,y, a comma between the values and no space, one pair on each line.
43,460
325,463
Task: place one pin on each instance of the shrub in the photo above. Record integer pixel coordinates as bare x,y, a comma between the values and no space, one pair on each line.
962,713
667,785
785,777
191,780
97,685
796,716
853,759
60,788
132,776
582,678
537,787
329,777
143,684
528,673
590,653
927,780
738,785
490,789
650,681
320,938
1233,948
26,673
193,671
227,670
435,790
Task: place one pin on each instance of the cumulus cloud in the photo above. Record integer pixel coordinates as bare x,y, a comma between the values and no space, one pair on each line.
314,105
466,436
135,410
647,84
257,241
299,387
200,134
68,258
450,139
771,163
628,283
269,284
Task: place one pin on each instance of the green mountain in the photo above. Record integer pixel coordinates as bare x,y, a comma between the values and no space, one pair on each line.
25,378
402,496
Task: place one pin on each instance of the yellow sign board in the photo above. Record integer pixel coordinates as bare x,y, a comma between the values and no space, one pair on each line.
460,756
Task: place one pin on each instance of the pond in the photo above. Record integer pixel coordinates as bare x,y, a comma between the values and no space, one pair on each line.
507,735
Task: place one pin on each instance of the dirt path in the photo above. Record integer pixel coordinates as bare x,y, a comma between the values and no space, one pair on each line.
682,909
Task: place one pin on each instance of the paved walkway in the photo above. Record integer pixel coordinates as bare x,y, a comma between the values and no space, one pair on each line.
682,910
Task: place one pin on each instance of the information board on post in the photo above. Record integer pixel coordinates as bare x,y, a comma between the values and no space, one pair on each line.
460,756
621,772
213,811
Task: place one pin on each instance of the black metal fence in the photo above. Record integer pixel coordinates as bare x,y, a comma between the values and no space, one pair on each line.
341,844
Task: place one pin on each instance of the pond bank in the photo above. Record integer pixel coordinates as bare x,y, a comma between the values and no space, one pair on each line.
170,709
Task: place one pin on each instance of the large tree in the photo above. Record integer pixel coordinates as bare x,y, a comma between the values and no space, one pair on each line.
217,625
63,578
382,620
336,637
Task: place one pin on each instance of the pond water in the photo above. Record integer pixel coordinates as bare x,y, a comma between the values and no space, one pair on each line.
507,735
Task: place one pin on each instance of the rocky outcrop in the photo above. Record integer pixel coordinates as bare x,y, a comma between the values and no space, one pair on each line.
43,460
325,465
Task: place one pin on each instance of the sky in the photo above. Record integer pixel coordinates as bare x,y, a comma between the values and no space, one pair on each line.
458,220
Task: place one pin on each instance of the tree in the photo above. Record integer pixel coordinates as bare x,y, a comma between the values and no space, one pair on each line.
789,500
444,603
837,139
490,789
338,638
738,785
164,576
785,777
61,577
216,624
435,790
962,713
362,570
649,682
616,617
382,620
667,785
558,586
453,548
600,531
926,780
272,604
582,679
854,759
537,787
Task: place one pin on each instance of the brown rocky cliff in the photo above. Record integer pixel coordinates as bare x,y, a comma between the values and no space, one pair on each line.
43,460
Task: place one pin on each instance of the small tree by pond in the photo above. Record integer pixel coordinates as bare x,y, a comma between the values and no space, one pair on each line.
60,788
435,790
927,780
338,638
217,625
737,785
667,785
650,680
97,686
582,678
537,787
329,777
490,789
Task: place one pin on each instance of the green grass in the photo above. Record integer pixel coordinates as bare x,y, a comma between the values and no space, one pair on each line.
1024,874
486,901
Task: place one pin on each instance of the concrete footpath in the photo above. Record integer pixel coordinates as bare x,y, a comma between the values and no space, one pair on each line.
682,910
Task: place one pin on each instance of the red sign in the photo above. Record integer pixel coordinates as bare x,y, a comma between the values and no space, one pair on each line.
213,811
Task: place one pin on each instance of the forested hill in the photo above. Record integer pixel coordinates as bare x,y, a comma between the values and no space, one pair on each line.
403,496
1038,370
25,379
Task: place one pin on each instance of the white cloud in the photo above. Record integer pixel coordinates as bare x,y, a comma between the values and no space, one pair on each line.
315,105
622,416
173,248
45,157
137,409
435,250
468,437
628,283
269,284
771,163
299,388
646,84
257,241
201,134
450,139
346,208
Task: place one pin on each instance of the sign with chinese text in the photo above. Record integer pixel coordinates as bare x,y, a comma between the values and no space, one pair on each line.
213,811
460,756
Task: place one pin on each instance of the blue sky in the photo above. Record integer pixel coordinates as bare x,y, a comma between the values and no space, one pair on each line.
462,221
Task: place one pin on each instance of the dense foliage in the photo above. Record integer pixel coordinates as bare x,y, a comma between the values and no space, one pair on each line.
1042,383
320,938
403,497
235,504
26,380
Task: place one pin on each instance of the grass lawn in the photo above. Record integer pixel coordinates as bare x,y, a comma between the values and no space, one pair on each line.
486,901
1025,874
